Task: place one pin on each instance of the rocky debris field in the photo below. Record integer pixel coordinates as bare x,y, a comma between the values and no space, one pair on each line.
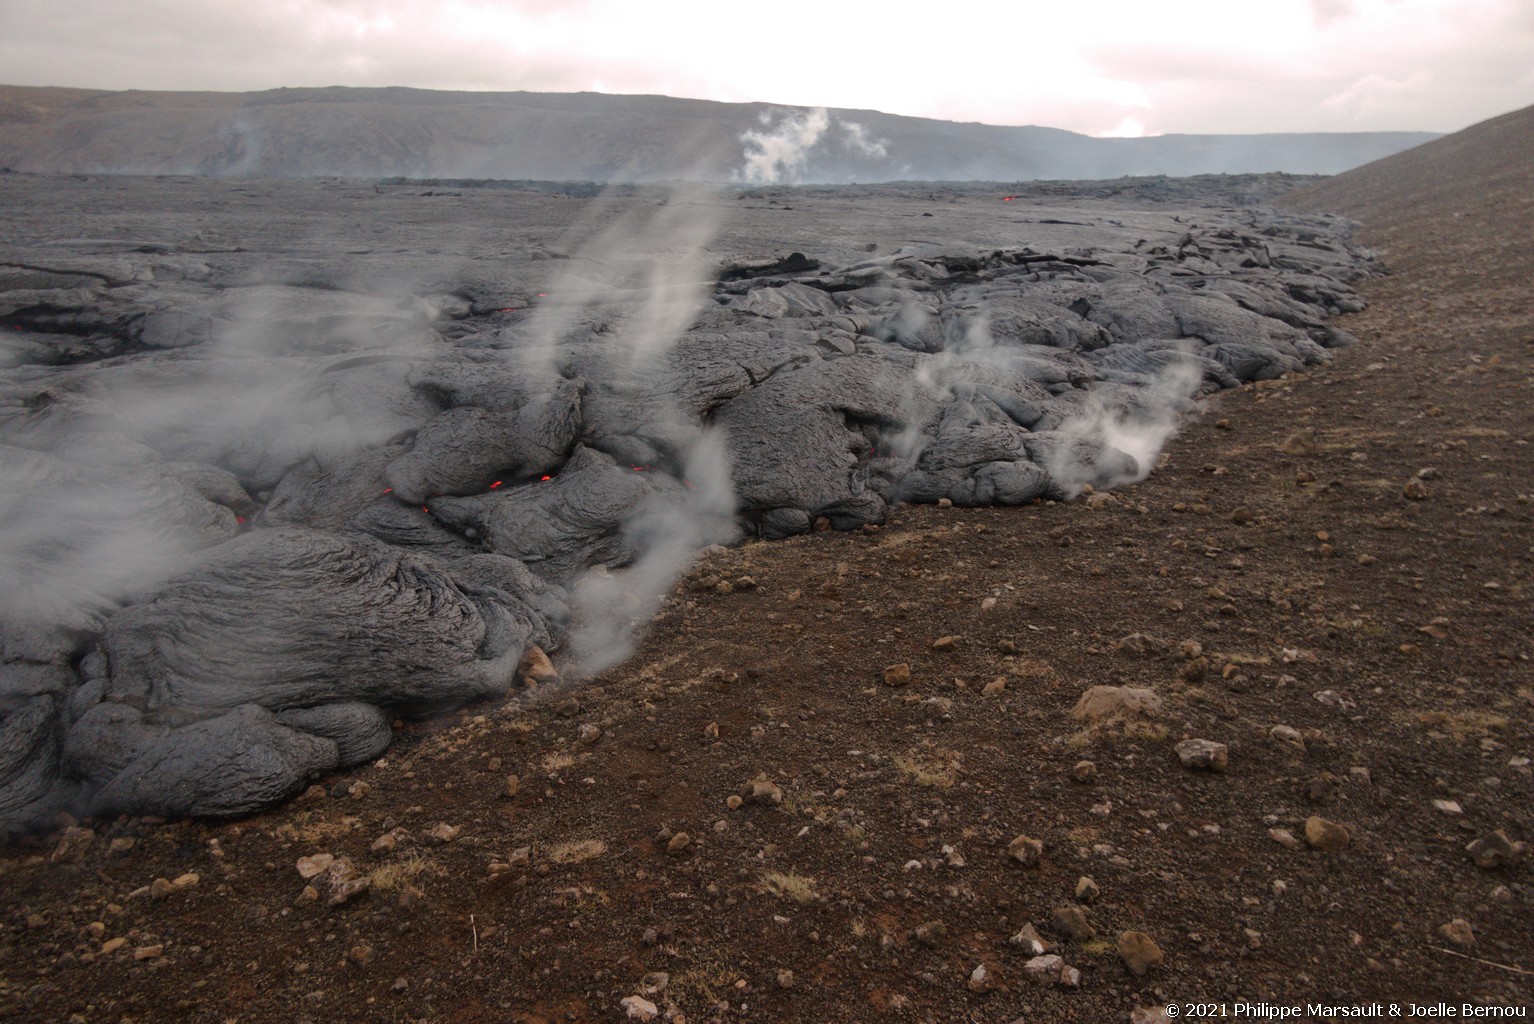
265,493
1257,728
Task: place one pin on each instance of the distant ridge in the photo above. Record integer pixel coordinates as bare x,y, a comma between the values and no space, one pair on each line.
383,132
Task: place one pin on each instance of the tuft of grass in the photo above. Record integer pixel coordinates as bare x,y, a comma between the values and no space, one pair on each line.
557,762
932,769
799,888
1463,725
400,875
576,852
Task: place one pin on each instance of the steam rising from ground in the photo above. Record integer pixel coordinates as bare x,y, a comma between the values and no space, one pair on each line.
251,513
779,153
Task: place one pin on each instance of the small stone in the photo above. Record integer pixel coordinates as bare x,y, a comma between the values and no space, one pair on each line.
315,864
1139,952
512,787
96,929
678,843
400,985
1253,938
113,945
588,735
120,845
1103,702
160,888
72,845
1149,1015
1448,807
1283,837
361,954
387,842
1497,850
149,952
994,687
1025,851
897,675
442,832
520,858
1029,941
761,791
711,731
785,979
1086,889
1070,977
639,1008
1289,736
654,983
929,933
1072,923
1414,489
733,802
536,669
944,643
1044,970
1242,515
1203,754
981,980
1084,771
1458,931
186,881
1326,836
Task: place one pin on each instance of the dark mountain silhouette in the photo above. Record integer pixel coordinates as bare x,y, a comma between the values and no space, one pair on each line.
590,136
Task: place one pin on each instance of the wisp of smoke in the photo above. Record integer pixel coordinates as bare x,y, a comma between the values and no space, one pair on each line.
779,155
1140,432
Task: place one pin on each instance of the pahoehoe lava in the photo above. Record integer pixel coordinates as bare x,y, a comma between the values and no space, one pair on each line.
264,493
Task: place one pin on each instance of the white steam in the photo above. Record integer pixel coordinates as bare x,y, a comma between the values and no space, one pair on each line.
779,154
1139,431
641,270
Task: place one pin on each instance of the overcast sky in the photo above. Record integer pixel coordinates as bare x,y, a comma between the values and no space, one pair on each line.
1101,67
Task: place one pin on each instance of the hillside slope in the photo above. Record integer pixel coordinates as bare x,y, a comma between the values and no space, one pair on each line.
588,136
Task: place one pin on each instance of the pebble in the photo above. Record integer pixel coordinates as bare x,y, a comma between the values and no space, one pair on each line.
944,643
897,675
1025,851
1203,754
761,791
1072,923
678,843
639,1008
113,945
1283,837
1414,489
315,864
1326,836
442,832
1086,889
72,845
1029,941
149,952
588,734
536,668
785,979
995,686
1458,931
981,980
1448,807
360,954
1289,736
1102,702
929,933
1044,970
654,983
160,888
512,787
1497,850
1139,952
733,802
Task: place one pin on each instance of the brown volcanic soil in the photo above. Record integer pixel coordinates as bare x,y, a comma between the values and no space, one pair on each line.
1392,633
